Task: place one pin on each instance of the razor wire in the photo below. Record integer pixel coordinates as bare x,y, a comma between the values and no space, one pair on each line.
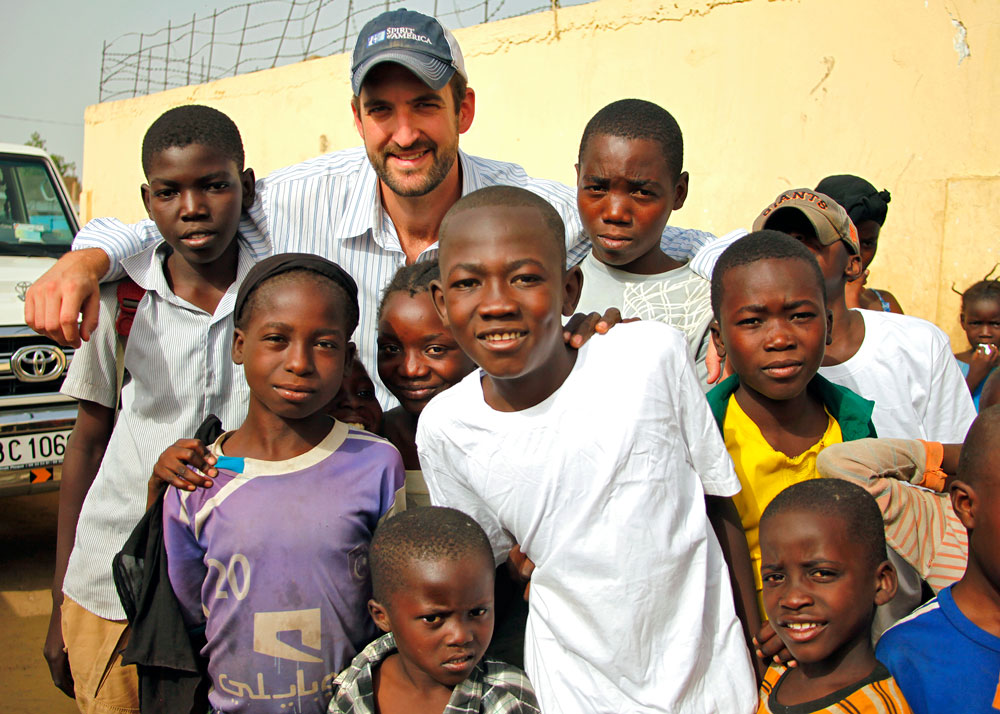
262,34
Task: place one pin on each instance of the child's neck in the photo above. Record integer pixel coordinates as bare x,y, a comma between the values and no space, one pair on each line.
790,426
811,681
654,262
848,330
202,284
400,427
524,392
268,437
978,598
400,691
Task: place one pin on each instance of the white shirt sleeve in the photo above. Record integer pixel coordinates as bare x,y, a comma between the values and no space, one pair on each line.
92,375
949,411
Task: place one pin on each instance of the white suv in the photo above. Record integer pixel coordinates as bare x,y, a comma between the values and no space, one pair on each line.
37,225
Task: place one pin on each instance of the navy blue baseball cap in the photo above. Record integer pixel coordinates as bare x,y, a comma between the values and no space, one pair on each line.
418,42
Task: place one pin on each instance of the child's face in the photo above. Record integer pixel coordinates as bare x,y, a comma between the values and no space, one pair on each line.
625,191
356,403
981,322
195,195
441,617
868,232
835,261
502,292
773,326
294,349
417,355
820,588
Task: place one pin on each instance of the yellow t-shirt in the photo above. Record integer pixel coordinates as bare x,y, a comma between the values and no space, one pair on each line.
765,472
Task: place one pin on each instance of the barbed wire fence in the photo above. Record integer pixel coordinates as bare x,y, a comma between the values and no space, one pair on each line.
262,34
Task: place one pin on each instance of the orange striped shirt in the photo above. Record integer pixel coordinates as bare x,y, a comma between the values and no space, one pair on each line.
876,694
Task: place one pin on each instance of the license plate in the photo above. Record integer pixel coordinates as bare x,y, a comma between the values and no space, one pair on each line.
25,451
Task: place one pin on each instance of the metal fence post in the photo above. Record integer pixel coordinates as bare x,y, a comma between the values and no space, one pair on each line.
284,29
166,62
211,47
243,34
138,66
190,49
100,89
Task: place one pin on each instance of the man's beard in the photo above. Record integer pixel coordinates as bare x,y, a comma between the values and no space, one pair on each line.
411,185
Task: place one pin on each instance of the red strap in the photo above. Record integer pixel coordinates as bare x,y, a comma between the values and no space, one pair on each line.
129,295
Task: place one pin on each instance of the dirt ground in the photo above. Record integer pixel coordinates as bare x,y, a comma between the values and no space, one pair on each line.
27,553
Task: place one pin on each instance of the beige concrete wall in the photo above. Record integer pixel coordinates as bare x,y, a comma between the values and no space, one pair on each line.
770,95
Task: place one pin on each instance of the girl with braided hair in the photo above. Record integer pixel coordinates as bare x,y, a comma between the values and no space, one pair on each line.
980,319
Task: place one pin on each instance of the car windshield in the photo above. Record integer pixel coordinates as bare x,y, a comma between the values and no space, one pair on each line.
33,219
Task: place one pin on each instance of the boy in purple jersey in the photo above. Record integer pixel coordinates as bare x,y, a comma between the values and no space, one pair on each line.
272,559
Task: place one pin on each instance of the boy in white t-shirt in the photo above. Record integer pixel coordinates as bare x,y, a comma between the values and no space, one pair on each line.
629,180
601,463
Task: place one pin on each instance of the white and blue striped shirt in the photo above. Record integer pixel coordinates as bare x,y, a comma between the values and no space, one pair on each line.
178,357
331,206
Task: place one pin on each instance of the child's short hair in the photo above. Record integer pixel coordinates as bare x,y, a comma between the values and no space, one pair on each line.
509,197
848,502
192,124
978,460
639,119
293,267
986,289
422,534
861,200
412,279
757,246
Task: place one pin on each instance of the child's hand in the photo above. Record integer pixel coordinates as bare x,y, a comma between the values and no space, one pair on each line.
55,654
984,359
581,327
520,568
186,465
769,648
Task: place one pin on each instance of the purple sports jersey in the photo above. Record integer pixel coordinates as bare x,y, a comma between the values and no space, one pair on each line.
273,562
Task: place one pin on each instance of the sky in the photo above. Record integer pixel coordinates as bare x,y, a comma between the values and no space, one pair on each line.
50,58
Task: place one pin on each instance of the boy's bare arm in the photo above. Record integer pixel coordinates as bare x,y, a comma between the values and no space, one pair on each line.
729,530
84,452
54,303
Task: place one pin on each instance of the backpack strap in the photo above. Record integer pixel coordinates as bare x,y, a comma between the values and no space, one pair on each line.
129,297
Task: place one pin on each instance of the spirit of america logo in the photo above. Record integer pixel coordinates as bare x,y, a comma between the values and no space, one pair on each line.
398,33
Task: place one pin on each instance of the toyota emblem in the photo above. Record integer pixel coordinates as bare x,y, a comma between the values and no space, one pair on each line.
38,363
22,289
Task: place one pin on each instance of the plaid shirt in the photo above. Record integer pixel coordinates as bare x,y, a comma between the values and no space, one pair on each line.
492,688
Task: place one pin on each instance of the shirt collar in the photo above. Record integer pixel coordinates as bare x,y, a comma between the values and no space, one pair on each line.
146,270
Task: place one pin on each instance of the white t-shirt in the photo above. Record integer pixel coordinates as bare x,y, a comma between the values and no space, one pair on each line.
602,485
906,367
680,298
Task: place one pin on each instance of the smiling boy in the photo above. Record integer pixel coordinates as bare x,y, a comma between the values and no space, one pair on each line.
602,463
825,570
432,594
775,413
629,180
177,358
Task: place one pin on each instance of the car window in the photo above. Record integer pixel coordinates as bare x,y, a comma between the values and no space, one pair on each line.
33,221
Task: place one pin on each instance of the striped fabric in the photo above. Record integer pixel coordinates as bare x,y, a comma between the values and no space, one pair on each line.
920,525
181,371
331,206
492,688
877,694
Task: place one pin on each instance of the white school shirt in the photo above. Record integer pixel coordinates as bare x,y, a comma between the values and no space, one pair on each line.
181,368
906,367
332,206
603,485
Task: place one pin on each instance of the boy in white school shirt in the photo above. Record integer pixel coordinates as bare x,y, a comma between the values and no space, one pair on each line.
178,360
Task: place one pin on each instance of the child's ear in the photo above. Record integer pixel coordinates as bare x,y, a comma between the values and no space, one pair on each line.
577,167
238,342
572,287
349,354
437,297
829,326
249,184
885,583
144,190
720,346
380,615
965,501
681,191
853,269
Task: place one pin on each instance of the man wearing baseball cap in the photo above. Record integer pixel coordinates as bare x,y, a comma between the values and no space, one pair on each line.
902,363
371,209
